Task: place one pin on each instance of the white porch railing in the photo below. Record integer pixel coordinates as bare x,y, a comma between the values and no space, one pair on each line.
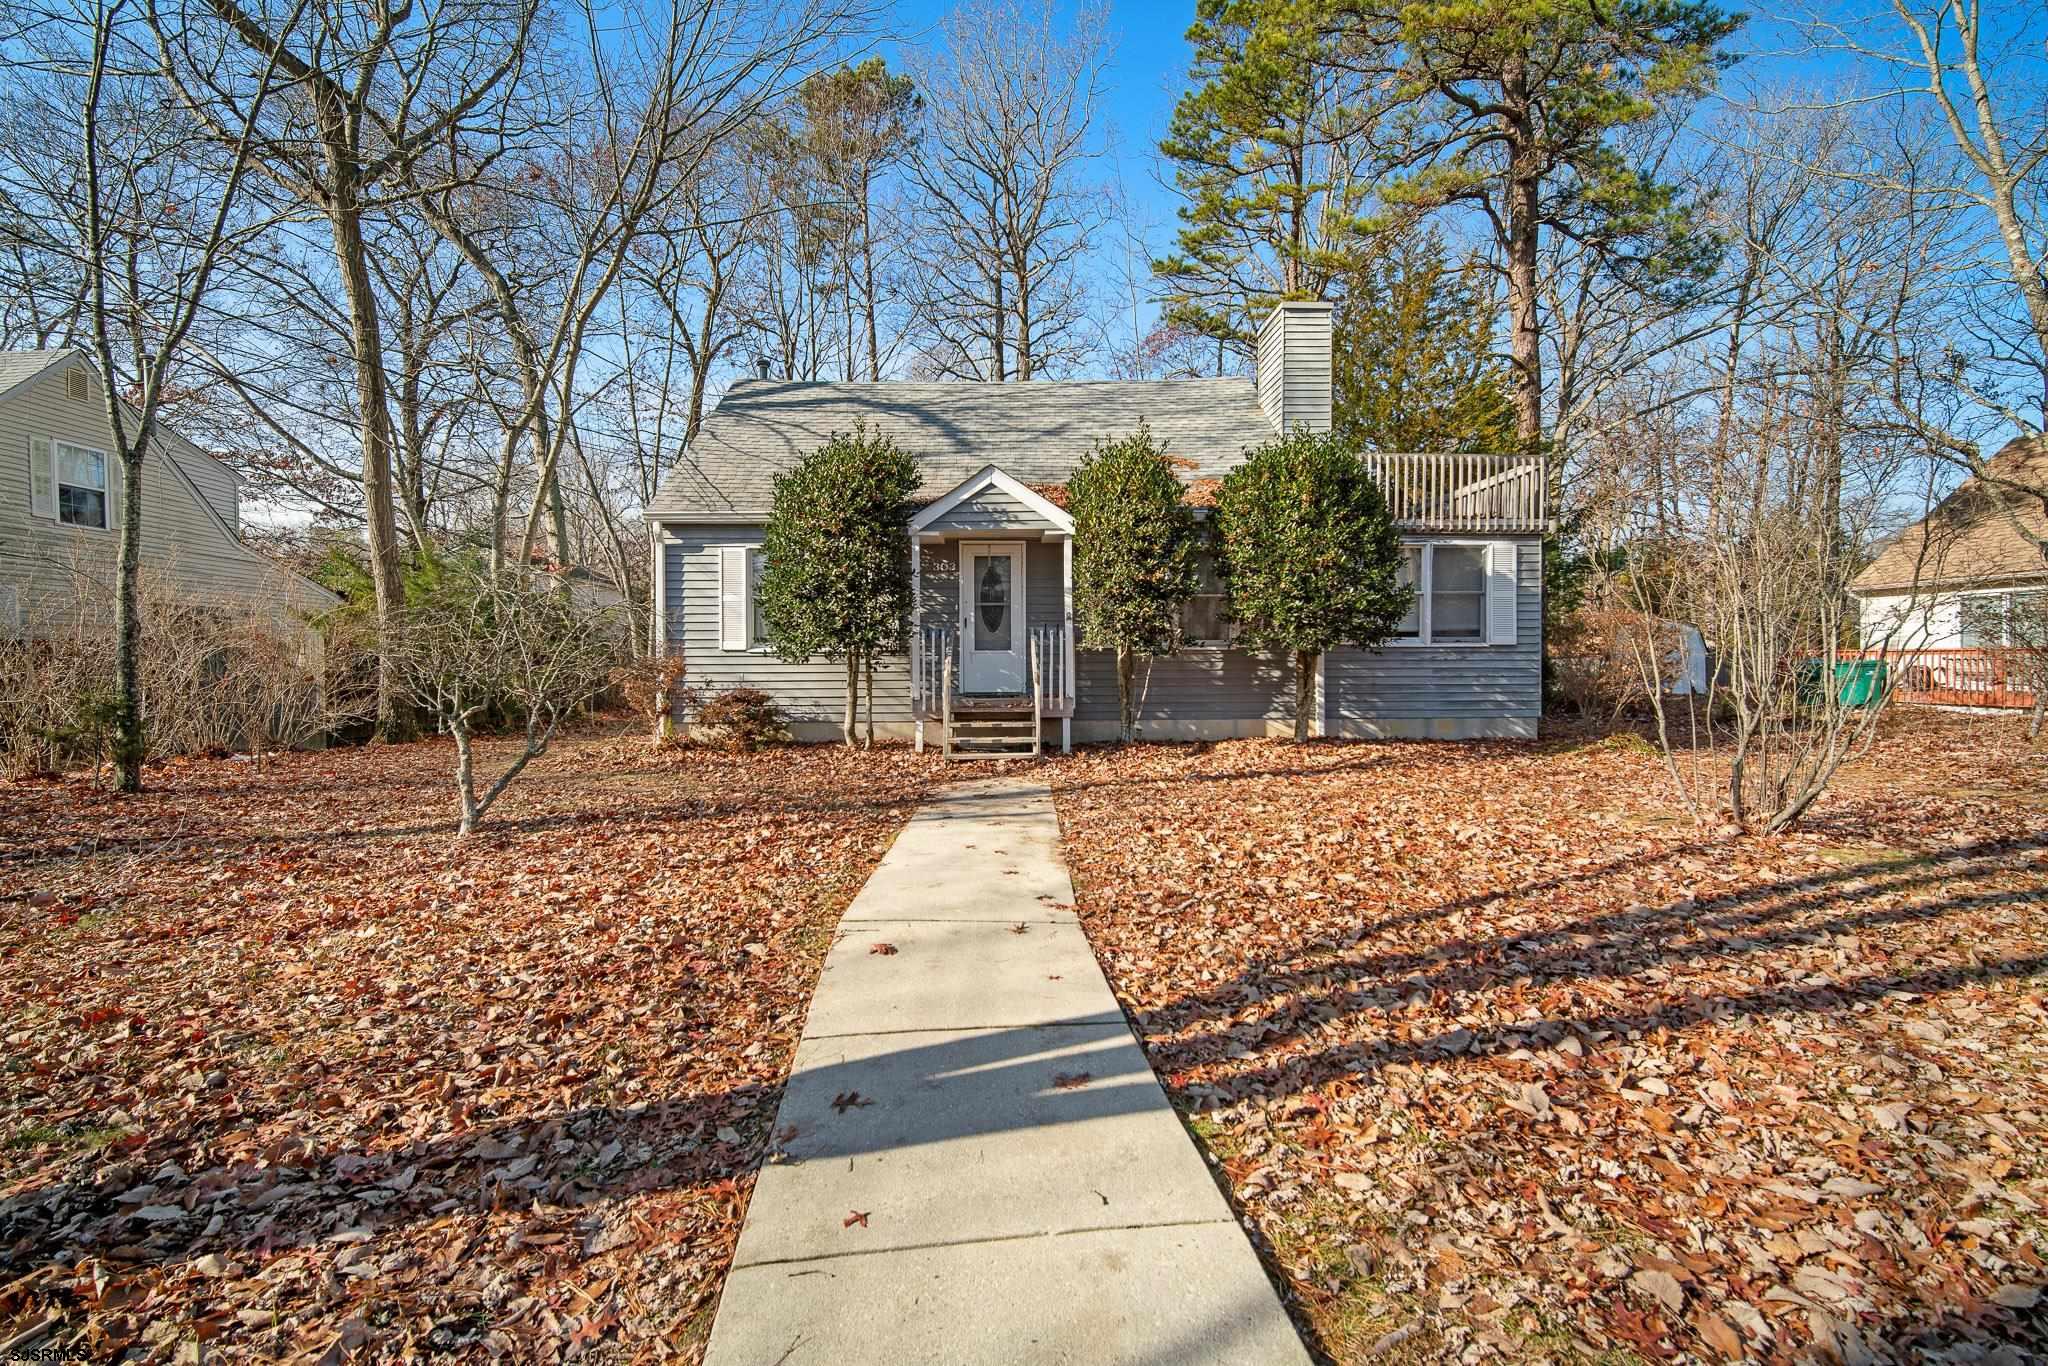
937,660
933,668
1462,492
1049,661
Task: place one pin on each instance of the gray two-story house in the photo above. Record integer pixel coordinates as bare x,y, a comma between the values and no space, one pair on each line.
993,658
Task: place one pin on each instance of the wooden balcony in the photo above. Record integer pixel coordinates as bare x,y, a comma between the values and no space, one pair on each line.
1463,493
1955,678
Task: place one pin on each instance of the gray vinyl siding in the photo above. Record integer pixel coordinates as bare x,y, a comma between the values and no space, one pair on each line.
1293,371
1412,688
187,519
1200,683
1044,584
991,509
1407,689
811,691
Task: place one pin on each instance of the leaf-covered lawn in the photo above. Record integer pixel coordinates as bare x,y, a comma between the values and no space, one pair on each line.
1501,1060
289,1069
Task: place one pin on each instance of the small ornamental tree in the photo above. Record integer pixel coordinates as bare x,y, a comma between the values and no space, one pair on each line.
479,652
1134,556
1310,554
836,582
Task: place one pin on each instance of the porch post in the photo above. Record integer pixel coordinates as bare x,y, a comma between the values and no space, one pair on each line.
917,638
1073,688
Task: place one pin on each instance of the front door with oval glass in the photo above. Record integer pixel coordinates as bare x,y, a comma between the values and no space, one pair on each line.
992,617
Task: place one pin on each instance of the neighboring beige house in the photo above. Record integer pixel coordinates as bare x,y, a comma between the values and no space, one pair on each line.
60,507
1947,581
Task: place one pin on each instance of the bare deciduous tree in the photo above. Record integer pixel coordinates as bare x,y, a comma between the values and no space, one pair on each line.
1010,108
377,91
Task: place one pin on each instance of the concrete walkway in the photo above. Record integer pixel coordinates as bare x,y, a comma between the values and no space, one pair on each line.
977,1163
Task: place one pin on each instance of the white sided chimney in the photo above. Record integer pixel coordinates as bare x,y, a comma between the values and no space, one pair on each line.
1293,366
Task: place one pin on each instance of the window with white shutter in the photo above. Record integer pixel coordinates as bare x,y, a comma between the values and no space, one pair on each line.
1409,576
757,628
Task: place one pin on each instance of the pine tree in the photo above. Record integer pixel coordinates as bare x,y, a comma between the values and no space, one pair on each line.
1413,361
1517,105
1266,147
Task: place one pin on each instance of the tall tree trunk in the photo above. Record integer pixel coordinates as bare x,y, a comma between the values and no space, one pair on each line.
412,477
129,742
999,324
1304,692
868,665
867,270
379,511
1525,344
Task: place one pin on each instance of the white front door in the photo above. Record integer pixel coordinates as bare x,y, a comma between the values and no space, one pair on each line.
992,640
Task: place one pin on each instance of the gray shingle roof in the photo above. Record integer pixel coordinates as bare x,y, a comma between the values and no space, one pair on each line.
1035,431
19,366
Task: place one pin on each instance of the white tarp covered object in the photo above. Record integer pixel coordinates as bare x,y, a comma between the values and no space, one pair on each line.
1685,668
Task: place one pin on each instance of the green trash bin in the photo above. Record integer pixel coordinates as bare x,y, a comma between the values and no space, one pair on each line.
1858,682
1806,681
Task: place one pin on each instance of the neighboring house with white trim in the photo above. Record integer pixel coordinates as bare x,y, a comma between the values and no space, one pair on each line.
994,641
1948,582
60,507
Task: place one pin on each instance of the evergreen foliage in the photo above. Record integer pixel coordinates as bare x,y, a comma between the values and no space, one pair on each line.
1134,556
836,578
1413,361
1310,554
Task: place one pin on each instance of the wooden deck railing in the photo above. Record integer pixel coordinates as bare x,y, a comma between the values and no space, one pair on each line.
936,660
1955,678
1459,492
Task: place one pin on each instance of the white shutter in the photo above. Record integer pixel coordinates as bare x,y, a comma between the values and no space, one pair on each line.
42,478
1500,594
732,597
757,560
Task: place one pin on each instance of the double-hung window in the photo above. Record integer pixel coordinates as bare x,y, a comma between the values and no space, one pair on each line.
1205,616
740,625
1465,593
1457,593
81,486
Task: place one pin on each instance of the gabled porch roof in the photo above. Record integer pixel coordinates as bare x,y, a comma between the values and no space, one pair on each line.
990,501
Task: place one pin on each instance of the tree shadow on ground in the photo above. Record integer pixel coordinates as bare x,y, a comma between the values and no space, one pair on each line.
1320,984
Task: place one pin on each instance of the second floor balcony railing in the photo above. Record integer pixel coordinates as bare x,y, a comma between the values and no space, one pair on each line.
1460,492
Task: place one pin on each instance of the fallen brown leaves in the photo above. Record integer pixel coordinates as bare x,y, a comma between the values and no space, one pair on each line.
1501,1060
291,1072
